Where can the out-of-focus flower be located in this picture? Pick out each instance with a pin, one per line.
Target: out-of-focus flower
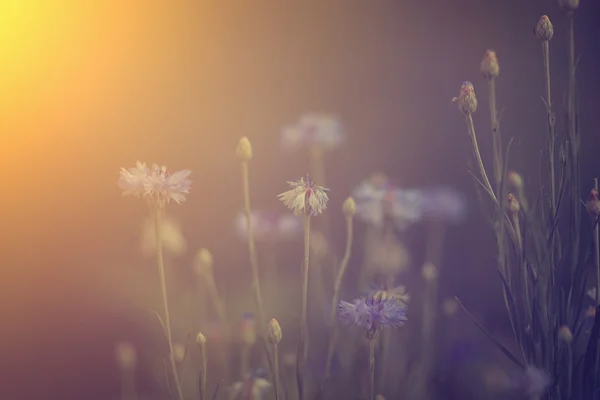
(450, 306)
(513, 204)
(489, 65)
(269, 225)
(429, 272)
(569, 5)
(254, 387)
(248, 329)
(592, 293)
(388, 256)
(593, 204)
(515, 180)
(544, 30)
(155, 184)
(533, 382)
(314, 130)
(397, 293)
(376, 201)
(170, 231)
(371, 314)
(565, 334)
(305, 197)
(125, 355)
(467, 101)
(443, 204)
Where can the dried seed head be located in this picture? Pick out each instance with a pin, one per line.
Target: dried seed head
(565, 334)
(515, 180)
(544, 30)
(125, 355)
(429, 272)
(349, 207)
(513, 204)
(244, 150)
(467, 101)
(569, 5)
(593, 204)
(274, 331)
(489, 65)
(200, 339)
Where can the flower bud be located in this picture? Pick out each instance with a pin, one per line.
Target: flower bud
(125, 355)
(274, 331)
(593, 204)
(544, 30)
(467, 101)
(565, 334)
(489, 65)
(513, 204)
(429, 272)
(244, 150)
(515, 180)
(204, 261)
(200, 339)
(569, 5)
(349, 207)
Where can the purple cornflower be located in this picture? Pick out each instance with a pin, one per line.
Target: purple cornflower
(318, 130)
(372, 314)
(305, 197)
(443, 204)
(155, 184)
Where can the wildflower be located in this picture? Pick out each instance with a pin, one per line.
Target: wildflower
(269, 225)
(314, 130)
(443, 204)
(376, 201)
(244, 150)
(467, 101)
(489, 65)
(544, 30)
(305, 197)
(372, 315)
(275, 334)
(569, 5)
(248, 329)
(155, 184)
(565, 334)
(125, 355)
(171, 235)
(593, 204)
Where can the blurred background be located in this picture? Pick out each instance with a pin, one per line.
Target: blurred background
(89, 87)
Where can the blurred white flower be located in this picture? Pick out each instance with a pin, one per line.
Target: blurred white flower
(314, 130)
(172, 237)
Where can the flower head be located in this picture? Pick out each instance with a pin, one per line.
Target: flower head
(372, 314)
(489, 64)
(155, 184)
(315, 130)
(467, 101)
(544, 30)
(305, 197)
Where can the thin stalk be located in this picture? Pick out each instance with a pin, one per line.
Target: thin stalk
(496, 142)
(252, 249)
(551, 122)
(597, 251)
(303, 343)
(336, 294)
(163, 287)
(486, 181)
(203, 372)
(276, 384)
(371, 369)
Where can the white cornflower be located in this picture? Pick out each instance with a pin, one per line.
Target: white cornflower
(305, 197)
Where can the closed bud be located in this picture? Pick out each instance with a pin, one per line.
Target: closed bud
(429, 272)
(565, 334)
(593, 204)
(489, 65)
(467, 101)
(244, 150)
(569, 5)
(513, 204)
(349, 207)
(515, 180)
(125, 355)
(275, 334)
(544, 30)
(200, 339)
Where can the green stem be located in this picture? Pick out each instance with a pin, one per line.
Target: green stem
(203, 373)
(371, 369)
(303, 345)
(472, 135)
(276, 385)
(496, 142)
(597, 251)
(163, 287)
(336, 294)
